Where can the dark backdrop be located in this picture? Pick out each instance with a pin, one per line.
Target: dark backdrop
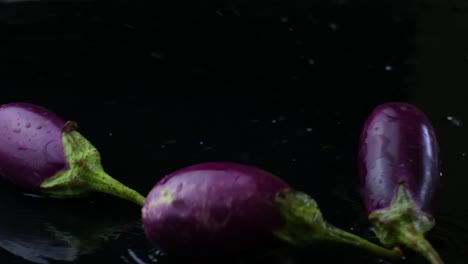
(158, 85)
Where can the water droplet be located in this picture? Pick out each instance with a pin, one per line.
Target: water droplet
(333, 26)
(274, 121)
(128, 26)
(291, 29)
(163, 146)
(134, 256)
(110, 134)
(155, 55)
(397, 19)
(309, 129)
(327, 147)
(311, 61)
(179, 187)
(441, 174)
(463, 154)
(39, 127)
(454, 121)
(388, 68)
(28, 125)
(312, 19)
(201, 143)
(284, 19)
(22, 148)
(245, 156)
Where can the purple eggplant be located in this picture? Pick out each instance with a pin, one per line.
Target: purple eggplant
(399, 170)
(43, 153)
(223, 207)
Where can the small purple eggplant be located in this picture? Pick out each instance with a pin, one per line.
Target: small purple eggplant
(399, 169)
(41, 152)
(222, 208)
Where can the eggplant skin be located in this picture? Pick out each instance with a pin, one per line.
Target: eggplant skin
(398, 146)
(213, 208)
(31, 144)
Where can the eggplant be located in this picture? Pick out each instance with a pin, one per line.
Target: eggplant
(43, 153)
(214, 208)
(399, 167)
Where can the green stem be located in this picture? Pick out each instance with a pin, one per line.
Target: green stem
(304, 226)
(336, 235)
(415, 241)
(100, 181)
(85, 172)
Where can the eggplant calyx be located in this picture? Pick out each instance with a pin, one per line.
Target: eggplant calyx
(403, 223)
(85, 173)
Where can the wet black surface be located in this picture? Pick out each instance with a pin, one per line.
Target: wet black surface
(156, 86)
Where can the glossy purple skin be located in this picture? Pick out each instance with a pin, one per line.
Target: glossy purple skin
(218, 207)
(31, 146)
(398, 145)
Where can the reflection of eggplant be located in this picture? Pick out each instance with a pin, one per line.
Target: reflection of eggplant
(42, 229)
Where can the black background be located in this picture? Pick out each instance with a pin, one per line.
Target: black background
(284, 85)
